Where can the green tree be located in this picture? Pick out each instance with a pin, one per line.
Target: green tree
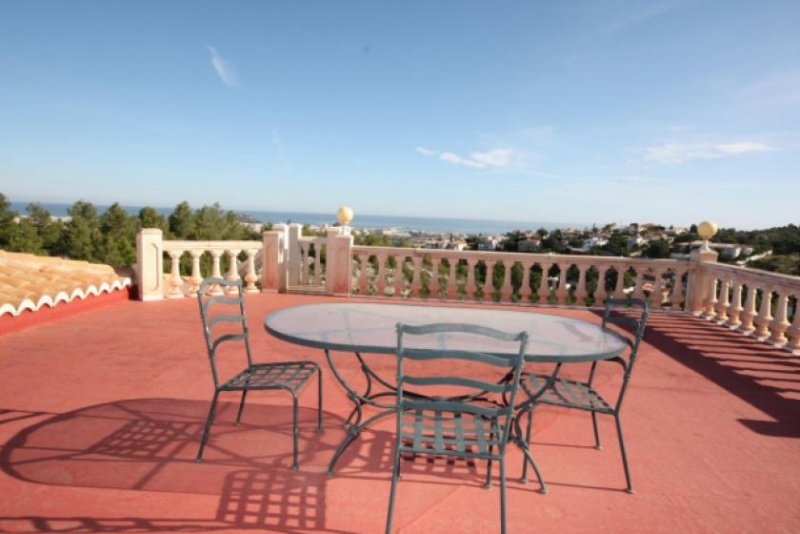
(48, 229)
(659, 248)
(150, 218)
(23, 237)
(82, 235)
(118, 245)
(182, 222)
(7, 216)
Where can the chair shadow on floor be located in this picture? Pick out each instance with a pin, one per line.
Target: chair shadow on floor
(150, 445)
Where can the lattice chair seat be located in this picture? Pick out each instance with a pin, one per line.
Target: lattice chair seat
(451, 433)
(283, 375)
(564, 392)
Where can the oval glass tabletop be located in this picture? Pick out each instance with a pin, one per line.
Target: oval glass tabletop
(371, 328)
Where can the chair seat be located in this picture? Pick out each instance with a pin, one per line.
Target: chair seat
(564, 392)
(277, 375)
(449, 433)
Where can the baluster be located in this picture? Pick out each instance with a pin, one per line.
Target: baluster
(380, 280)
(711, 299)
(544, 287)
(250, 278)
(363, 280)
(619, 288)
(233, 271)
(657, 296)
(601, 294)
(215, 271)
(471, 287)
(580, 290)
(561, 292)
(735, 308)
(638, 284)
(175, 280)
(676, 295)
(749, 313)
(525, 289)
(415, 287)
(793, 333)
(780, 324)
(452, 278)
(724, 300)
(506, 290)
(435, 285)
(765, 314)
(197, 277)
(399, 277)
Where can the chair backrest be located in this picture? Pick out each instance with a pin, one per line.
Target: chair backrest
(431, 344)
(631, 313)
(223, 316)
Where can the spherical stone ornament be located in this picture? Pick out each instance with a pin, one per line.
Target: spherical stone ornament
(344, 215)
(707, 229)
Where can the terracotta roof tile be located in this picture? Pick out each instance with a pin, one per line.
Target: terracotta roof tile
(28, 282)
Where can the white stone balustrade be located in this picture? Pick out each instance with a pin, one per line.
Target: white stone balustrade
(469, 276)
(176, 285)
(757, 303)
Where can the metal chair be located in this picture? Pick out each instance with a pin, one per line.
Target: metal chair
(567, 393)
(224, 320)
(473, 424)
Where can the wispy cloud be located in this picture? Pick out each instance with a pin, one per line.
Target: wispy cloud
(498, 157)
(224, 70)
(671, 153)
(427, 151)
(645, 13)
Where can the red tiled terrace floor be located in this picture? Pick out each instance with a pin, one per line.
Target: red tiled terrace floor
(101, 413)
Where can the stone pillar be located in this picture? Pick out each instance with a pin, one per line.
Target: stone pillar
(294, 258)
(149, 264)
(698, 283)
(339, 263)
(273, 261)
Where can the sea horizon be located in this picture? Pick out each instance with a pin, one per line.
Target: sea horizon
(436, 225)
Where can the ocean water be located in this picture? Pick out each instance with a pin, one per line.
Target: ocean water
(423, 224)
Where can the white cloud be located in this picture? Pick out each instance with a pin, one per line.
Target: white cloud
(667, 153)
(498, 157)
(224, 70)
(458, 160)
(427, 151)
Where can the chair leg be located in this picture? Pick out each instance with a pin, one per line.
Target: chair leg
(393, 490)
(319, 399)
(596, 433)
(528, 443)
(241, 407)
(529, 458)
(624, 456)
(488, 483)
(295, 462)
(209, 421)
(502, 462)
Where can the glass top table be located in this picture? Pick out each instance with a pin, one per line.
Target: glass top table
(370, 328)
(361, 328)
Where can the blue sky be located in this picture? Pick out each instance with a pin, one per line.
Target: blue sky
(591, 112)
